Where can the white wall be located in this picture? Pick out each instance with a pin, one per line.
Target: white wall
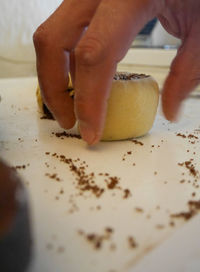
(18, 21)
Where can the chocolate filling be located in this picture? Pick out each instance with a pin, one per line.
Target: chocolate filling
(129, 76)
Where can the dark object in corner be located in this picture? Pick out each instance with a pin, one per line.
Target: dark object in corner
(15, 238)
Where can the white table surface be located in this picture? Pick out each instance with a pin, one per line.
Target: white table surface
(154, 182)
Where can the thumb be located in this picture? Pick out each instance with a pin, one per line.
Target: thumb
(184, 76)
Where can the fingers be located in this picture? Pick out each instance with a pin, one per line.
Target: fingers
(53, 42)
(184, 76)
(105, 43)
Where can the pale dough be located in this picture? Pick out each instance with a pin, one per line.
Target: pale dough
(132, 107)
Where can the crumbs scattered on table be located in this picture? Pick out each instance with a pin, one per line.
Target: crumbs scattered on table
(53, 176)
(19, 167)
(190, 137)
(193, 209)
(190, 167)
(86, 182)
(97, 240)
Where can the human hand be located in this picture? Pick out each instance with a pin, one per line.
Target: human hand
(63, 44)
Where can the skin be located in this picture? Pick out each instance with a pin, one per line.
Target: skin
(89, 37)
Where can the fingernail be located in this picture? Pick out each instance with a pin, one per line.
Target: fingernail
(173, 115)
(87, 133)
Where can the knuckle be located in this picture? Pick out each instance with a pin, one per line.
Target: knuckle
(90, 51)
(41, 37)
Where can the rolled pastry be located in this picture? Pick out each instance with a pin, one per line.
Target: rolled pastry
(131, 109)
(132, 106)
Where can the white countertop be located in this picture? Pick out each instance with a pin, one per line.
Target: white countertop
(58, 210)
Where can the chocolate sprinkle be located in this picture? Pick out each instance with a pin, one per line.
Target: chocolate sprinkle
(65, 134)
(132, 242)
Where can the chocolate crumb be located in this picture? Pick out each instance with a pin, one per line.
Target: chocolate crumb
(171, 223)
(109, 230)
(127, 193)
(112, 183)
(19, 167)
(140, 210)
(190, 136)
(53, 176)
(137, 142)
(132, 242)
(181, 135)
